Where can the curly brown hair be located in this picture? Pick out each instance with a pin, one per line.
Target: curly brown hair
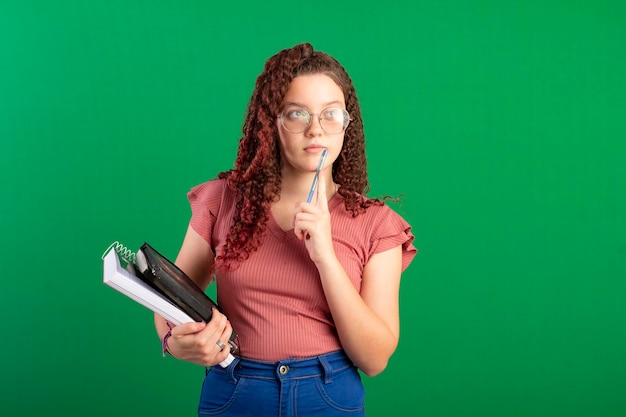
(256, 176)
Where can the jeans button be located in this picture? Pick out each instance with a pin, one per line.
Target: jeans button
(283, 369)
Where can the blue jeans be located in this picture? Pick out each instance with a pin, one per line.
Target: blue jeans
(327, 385)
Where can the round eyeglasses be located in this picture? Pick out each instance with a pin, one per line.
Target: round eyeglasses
(333, 120)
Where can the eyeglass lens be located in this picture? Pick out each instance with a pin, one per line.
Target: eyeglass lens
(298, 119)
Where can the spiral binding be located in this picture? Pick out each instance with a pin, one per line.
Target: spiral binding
(126, 254)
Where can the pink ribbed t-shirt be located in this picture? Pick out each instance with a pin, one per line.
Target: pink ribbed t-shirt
(274, 300)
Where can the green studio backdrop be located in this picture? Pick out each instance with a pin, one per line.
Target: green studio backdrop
(502, 123)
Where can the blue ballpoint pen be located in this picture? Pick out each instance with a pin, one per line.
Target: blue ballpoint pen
(317, 173)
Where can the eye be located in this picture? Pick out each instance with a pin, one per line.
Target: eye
(296, 114)
(334, 114)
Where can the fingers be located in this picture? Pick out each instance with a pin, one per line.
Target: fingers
(187, 329)
(313, 219)
(198, 342)
(322, 199)
(222, 342)
(305, 221)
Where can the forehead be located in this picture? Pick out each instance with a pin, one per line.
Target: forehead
(312, 90)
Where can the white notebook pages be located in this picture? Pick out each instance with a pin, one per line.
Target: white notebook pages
(122, 280)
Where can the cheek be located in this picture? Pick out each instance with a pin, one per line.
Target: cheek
(283, 138)
(287, 145)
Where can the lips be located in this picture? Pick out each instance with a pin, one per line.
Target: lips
(314, 148)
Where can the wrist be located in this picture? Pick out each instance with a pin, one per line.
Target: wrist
(327, 262)
(164, 346)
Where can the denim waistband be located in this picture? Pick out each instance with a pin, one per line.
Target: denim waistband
(294, 368)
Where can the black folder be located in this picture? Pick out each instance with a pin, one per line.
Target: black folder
(169, 280)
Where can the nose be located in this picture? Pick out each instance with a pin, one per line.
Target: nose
(315, 127)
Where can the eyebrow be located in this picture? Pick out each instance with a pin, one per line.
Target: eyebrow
(325, 105)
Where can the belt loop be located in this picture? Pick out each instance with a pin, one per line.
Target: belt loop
(328, 370)
(231, 370)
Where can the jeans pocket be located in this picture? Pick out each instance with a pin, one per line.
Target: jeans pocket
(219, 392)
(345, 393)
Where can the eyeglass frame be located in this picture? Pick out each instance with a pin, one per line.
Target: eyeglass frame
(346, 115)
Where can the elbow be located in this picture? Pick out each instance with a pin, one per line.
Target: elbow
(374, 359)
(375, 363)
(374, 368)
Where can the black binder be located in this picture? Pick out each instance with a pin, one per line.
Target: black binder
(169, 280)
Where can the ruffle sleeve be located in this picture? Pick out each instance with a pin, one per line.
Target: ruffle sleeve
(205, 200)
(391, 230)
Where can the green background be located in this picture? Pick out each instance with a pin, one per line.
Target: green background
(503, 123)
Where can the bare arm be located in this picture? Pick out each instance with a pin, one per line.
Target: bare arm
(367, 322)
(196, 342)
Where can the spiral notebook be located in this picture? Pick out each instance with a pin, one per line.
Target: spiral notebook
(153, 281)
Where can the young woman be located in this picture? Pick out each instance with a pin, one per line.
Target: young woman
(311, 288)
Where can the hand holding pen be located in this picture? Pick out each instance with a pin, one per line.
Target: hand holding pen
(312, 221)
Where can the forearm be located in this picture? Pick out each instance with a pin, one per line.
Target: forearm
(367, 338)
(161, 326)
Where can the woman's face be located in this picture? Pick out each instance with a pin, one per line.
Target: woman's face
(313, 94)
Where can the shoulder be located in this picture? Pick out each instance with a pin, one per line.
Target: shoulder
(383, 219)
(375, 213)
(208, 198)
(207, 190)
(379, 228)
(211, 192)
(209, 201)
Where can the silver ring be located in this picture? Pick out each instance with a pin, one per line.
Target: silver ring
(220, 344)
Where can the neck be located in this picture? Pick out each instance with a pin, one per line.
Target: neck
(296, 188)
